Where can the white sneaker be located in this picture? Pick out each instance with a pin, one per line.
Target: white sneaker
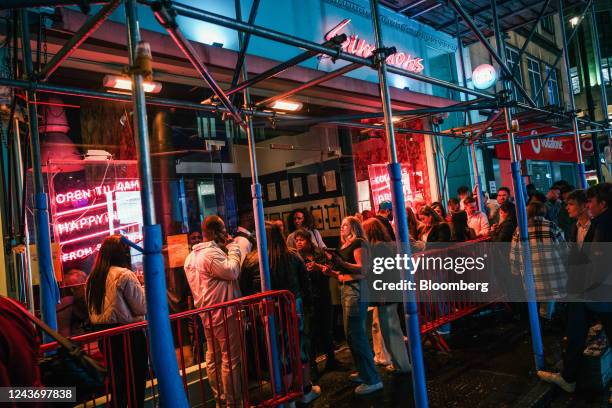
(365, 389)
(557, 379)
(315, 392)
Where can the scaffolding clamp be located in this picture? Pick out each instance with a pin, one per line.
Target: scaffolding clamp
(164, 13)
(381, 54)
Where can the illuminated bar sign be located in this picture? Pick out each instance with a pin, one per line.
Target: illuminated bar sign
(83, 217)
(97, 191)
(359, 47)
(380, 183)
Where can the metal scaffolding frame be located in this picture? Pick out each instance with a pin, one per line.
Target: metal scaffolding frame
(501, 105)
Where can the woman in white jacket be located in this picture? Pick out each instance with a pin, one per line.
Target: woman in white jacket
(114, 298)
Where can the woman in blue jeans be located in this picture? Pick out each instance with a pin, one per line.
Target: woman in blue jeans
(347, 269)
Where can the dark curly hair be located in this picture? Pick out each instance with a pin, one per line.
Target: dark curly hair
(308, 220)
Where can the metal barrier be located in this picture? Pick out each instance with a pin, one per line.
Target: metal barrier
(436, 311)
(223, 353)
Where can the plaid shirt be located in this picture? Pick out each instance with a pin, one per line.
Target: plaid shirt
(548, 256)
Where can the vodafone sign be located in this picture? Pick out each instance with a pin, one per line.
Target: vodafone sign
(557, 149)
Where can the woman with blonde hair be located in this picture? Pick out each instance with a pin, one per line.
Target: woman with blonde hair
(388, 318)
(347, 269)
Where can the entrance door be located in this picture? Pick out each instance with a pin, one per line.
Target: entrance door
(540, 175)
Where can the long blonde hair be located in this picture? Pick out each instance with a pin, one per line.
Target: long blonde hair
(356, 230)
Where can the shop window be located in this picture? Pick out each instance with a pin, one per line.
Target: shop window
(548, 24)
(535, 79)
(512, 60)
(575, 80)
(553, 86)
(606, 70)
(371, 159)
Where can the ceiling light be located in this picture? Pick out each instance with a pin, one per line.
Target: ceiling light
(287, 105)
(574, 21)
(125, 83)
(395, 119)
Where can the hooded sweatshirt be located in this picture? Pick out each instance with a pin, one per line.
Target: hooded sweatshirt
(213, 277)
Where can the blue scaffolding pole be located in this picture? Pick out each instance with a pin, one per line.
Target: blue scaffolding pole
(520, 196)
(171, 391)
(399, 213)
(260, 226)
(49, 291)
(571, 103)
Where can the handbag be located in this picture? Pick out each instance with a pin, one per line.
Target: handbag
(71, 366)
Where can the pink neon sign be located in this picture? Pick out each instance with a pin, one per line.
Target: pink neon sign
(380, 183)
(80, 194)
(80, 231)
(82, 223)
(80, 253)
(356, 46)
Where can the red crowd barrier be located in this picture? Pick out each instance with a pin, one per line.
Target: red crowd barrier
(436, 310)
(224, 355)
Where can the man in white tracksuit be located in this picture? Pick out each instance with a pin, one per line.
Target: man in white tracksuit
(212, 270)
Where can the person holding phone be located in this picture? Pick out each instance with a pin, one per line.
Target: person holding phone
(322, 327)
(347, 269)
(212, 270)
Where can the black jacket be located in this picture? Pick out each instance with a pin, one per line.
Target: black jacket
(387, 225)
(439, 233)
(504, 231)
(597, 285)
(293, 277)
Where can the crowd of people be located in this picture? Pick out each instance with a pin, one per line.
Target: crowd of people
(329, 283)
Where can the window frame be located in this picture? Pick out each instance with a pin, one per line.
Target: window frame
(532, 61)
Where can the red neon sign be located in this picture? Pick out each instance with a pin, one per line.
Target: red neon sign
(380, 183)
(105, 232)
(80, 194)
(80, 253)
(356, 46)
(81, 223)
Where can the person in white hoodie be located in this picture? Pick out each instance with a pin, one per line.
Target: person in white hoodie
(212, 270)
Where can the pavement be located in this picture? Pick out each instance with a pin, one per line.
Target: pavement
(490, 365)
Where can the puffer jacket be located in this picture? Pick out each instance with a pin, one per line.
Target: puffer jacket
(213, 277)
(124, 299)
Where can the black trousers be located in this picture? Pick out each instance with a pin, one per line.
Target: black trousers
(128, 391)
(579, 320)
(322, 338)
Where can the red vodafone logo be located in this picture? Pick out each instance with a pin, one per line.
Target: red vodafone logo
(587, 145)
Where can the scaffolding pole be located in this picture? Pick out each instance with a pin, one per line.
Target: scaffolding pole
(399, 213)
(602, 90)
(217, 19)
(171, 391)
(78, 38)
(502, 63)
(570, 96)
(260, 224)
(49, 291)
(520, 197)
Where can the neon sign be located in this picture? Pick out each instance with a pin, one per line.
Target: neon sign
(78, 195)
(380, 183)
(80, 229)
(82, 223)
(359, 47)
(80, 253)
